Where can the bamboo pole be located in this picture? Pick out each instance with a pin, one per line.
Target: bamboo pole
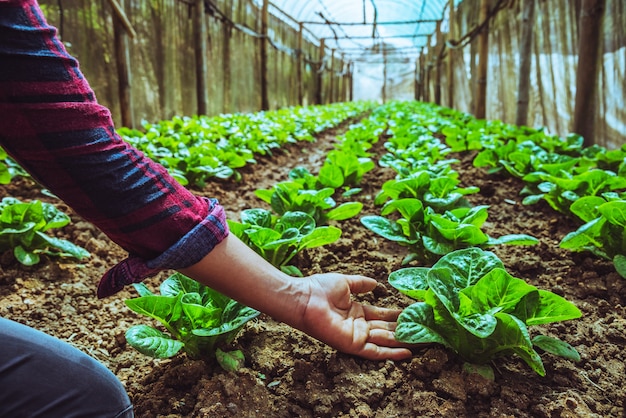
(590, 25)
(227, 31)
(265, 104)
(299, 66)
(384, 92)
(320, 74)
(525, 58)
(451, 53)
(332, 94)
(200, 48)
(124, 74)
(438, 49)
(483, 54)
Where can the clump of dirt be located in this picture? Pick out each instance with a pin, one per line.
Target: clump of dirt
(289, 374)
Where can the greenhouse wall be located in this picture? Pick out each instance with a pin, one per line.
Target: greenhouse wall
(553, 67)
(163, 63)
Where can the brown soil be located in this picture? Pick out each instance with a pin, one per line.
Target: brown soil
(288, 374)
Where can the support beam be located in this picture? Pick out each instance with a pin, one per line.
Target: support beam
(299, 67)
(320, 74)
(483, 54)
(265, 103)
(124, 74)
(589, 48)
(200, 46)
(525, 58)
(451, 53)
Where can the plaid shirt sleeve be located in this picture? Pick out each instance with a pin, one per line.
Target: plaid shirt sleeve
(51, 123)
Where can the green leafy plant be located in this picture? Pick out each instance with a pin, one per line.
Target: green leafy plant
(23, 227)
(438, 192)
(430, 235)
(198, 319)
(294, 196)
(560, 191)
(279, 238)
(470, 304)
(9, 168)
(604, 233)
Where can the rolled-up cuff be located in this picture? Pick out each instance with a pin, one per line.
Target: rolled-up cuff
(189, 250)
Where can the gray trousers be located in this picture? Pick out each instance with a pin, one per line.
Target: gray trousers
(42, 376)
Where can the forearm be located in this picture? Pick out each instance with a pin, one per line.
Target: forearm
(235, 270)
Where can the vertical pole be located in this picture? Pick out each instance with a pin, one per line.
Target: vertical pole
(299, 66)
(589, 25)
(200, 34)
(525, 55)
(332, 76)
(265, 103)
(416, 80)
(483, 54)
(451, 53)
(122, 57)
(438, 49)
(427, 66)
(351, 81)
(384, 74)
(320, 74)
(226, 61)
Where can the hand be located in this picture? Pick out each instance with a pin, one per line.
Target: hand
(331, 316)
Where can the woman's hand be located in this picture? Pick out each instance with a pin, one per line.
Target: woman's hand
(320, 305)
(330, 315)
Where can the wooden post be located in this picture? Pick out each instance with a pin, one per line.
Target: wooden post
(483, 54)
(438, 49)
(416, 80)
(450, 75)
(350, 81)
(332, 76)
(427, 67)
(320, 74)
(265, 103)
(124, 74)
(226, 61)
(299, 66)
(525, 58)
(200, 46)
(384, 92)
(589, 48)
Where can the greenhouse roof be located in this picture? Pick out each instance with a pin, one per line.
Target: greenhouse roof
(357, 26)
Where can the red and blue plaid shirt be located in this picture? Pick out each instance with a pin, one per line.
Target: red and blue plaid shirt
(51, 123)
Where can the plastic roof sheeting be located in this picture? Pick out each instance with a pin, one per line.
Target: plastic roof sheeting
(356, 26)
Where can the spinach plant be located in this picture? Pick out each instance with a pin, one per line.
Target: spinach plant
(198, 319)
(294, 196)
(604, 233)
(23, 229)
(469, 303)
(279, 238)
(429, 235)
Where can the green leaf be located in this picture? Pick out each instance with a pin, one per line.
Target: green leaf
(152, 342)
(386, 228)
(513, 239)
(619, 261)
(230, 361)
(552, 308)
(345, 211)
(416, 325)
(27, 258)
(412, 281)
(556, 347)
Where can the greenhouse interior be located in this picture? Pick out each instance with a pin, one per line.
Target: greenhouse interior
(319, 209)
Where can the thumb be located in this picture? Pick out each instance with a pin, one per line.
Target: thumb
(361, 284)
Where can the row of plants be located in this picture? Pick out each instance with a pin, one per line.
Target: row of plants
(197, 148)
(586, 183)
(202, 322)
(423, 207)
(466, 301)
